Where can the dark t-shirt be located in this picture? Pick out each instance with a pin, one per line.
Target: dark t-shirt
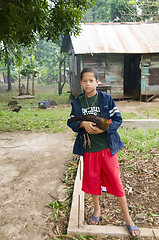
(91, 106)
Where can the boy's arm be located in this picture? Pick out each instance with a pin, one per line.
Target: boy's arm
(90, 127)
(115, 116)
(75, 126)
(80, 126)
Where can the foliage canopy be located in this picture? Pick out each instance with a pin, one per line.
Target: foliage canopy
(124, 11)
(21, 20)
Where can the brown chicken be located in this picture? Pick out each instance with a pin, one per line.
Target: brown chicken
(101, 122)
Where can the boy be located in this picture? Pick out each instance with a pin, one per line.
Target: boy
(100, 160)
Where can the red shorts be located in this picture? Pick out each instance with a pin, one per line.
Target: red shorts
(102, 169)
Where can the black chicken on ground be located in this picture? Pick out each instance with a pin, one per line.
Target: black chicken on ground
(16, 109)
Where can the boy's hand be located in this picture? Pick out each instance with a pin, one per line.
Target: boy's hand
(90, 127)
(98, 130)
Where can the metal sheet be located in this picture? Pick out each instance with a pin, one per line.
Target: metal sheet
(117, 38)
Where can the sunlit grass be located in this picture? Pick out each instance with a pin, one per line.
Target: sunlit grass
(30, 117)
(153, 113)
(127, 115)
(49, 120)
(138, 141)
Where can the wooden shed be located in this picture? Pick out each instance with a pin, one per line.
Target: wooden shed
(126, 56)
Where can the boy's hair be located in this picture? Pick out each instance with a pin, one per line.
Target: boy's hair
(90, 69)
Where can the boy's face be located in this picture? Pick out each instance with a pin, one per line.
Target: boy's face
(89, 83)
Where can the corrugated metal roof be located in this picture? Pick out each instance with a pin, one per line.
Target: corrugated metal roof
(117, 38)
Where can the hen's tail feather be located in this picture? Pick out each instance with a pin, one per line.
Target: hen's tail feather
(89, 117)
(77, 118)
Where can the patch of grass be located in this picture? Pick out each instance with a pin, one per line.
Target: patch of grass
(42, 92)
(153, 113)
(30, 117)
(48, 92)
(130, 115)
(48, 120)
(138, 141)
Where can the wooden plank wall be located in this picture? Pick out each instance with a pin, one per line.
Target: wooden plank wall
(145, 66)
(111, 70)
(154, 70)
(149, 73)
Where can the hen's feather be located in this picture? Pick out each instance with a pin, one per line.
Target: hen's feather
(101, 122)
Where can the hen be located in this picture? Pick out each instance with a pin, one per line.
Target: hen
(101, 123)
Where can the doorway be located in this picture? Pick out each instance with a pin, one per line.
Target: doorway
(132, 75)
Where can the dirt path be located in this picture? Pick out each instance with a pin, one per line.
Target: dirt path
(134, 106)
(31, 165)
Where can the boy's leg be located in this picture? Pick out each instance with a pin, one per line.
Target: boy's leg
(96, 208)
(91, 182)
(128, 219)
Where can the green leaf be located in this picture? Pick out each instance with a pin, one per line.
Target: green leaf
(49, 205)
(153, 215)
(131, 166)
(81, 237)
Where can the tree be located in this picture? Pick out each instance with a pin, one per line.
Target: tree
(3, 70)
(21, 20)
(33, 72)
(149, 9)
(47, 57)
(66, 17)
(113, 11)
(19, 65)
(62, 61)
(124, 11)
(9, 52)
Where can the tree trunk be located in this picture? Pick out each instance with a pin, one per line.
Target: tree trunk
(33, 90)
(93, 14)
(60, 85)
(59, 82)
(4, 77)
(27, 90)
(19, 83)
(9, 77)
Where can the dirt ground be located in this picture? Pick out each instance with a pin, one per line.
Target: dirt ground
(133, 106)
(141, 188)
(31, 165)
